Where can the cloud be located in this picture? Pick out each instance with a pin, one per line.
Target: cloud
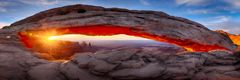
(229, 26)
(220, 19)
(190, 2)
(223, 23)
(3, 6)
(215, 20)
(2, 24)
(200, 11)
(41, 2)
(144, 2)
(234, 3)
(2, 9)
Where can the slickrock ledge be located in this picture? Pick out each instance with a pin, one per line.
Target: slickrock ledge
(152, 22)
(120, 64)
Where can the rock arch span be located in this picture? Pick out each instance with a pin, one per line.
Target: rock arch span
(162, 26)
(30, 37)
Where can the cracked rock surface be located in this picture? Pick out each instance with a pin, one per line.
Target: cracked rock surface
(120, 64)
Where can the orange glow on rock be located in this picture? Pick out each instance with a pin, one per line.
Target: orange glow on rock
(189, 49)
(111, 30)
(30, 38)
(235, 38)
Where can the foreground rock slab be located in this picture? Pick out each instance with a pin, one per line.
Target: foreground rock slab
(118, 64)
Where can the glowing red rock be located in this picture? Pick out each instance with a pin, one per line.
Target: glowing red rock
(30, 38)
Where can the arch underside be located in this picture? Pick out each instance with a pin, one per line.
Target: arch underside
(114, 30)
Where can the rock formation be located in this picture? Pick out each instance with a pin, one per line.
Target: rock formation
(168, 28)
(235, 38)
(143, 63)
(129, 64)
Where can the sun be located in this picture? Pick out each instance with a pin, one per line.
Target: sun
(52, 38)
(47, 38)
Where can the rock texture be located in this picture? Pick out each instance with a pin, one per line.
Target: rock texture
(143, 63)
(119, 64)
(8, 37)
(235, 38)
(157, 23)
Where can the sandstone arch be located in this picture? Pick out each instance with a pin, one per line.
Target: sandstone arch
(180, 31)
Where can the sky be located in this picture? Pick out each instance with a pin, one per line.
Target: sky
(214, 14)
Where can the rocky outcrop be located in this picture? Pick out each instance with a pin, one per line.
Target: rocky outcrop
(118, 64)
(15, 62)
(152, 22)
(9, 37)
(235, 38)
